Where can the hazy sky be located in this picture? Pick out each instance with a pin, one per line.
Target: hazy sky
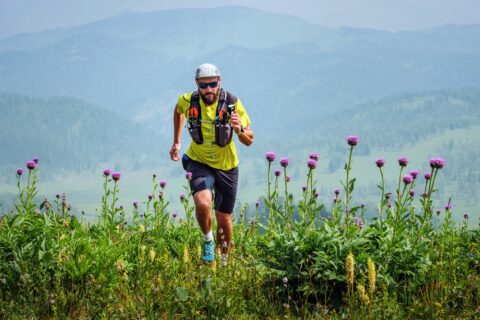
(19, 16)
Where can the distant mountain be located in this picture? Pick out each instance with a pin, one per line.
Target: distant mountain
(138, 63)
(70, 134)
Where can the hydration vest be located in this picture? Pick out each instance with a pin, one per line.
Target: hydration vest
(223, 128)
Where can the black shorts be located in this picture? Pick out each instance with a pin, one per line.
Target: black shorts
(222, 183)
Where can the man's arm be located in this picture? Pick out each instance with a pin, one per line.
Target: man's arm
(177, 133)
(245, 137)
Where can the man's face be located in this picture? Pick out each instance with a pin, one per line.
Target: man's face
(209, 89)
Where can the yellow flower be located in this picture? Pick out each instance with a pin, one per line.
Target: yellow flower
(214, 265)
(186, 255)
(363, 295)
(152, 254)
(372, 276)
(141, 228)
(350, 268)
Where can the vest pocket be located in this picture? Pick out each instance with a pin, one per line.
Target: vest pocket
(223, 134)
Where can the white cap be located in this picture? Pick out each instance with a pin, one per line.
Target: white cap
(207, 70)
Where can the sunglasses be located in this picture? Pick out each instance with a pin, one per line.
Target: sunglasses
(205, 85)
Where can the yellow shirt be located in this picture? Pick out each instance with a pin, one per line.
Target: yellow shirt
(223, 158)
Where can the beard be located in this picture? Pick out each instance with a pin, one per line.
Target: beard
(209, 98)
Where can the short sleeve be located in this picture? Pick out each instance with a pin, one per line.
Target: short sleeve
(183, 102)
(240, 109)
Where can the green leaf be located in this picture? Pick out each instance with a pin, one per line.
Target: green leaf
(181, 294)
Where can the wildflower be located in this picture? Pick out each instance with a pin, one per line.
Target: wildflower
(270, 156)
(106, 172)
(285, 281)
(284, 162)
(135, 204)
(407, 179)
(288, 178)
(412, 193)
(427, 175)
(363, 295)
(174, 214)
(116, 176)
(380, 162)
(372, 276)
(141, 228)
(182, 197)
(471, 255)
(389, 204)
(312, 164)
(304, 188)
(465, 216)
(337, 192)
(438, 212)
(257, 204)
(152, 254)
(403, 161)
(437, 163)
(150, 197)
(352, 140)
(36, 160)
(277, 173)
(314, 156)
(425, 194)
(186, 255)
(317, 194)
(448, 206)
(350, 269)
(388, 195)
(414, 174)
(31, 165)
(188, 175)
(359, 223)
(163, 183)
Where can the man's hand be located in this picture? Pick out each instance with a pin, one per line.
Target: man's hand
(174, 151)
(236, 122)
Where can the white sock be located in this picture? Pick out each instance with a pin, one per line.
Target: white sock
(208, 236)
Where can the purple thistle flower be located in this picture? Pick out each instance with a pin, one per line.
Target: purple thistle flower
(380, 162)
(414, 174)
(288, 178)
(270, 156)
(425, 194)
(312, 164)
(448, 206)
(337, 191)
(389, 204)
(437, 163)
(388, 195)
(277, 172)
(304, 188)
(352, 140)
(57, 195)
(257, 204)
(314, 156)
(317, 194)
(135, 204)
(116, 176)
(403, 161)
(150, 197)
(163, 183)
(182, 197)
(438, 212)
(412, 193)
(465, 216)
(19, 172)
(407, 179)
(174, 214)
(188, 175)
(36, 160)
(31, 165)
(106, 172)
(427, 175)
(284, 162)
(359, 223)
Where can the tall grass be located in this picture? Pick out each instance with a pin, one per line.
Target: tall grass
(291, 259)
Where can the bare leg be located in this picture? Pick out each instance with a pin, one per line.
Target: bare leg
(224, 230)
(203, 209)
